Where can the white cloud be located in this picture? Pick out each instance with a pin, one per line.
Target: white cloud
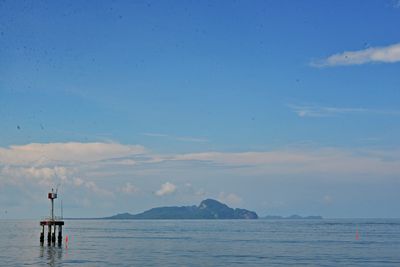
(45, 153)
(230, 199)
(128, 188)
(166, 189)
(90, 185)
(45, 176)
(384, 54)
(100, 191)
(326, 111)
(78, 182)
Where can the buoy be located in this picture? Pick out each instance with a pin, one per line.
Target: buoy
(357, 236)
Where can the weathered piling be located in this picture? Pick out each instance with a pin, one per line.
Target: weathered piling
(42, 234)
(59, 238)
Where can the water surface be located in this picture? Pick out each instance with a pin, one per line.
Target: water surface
(206, 243)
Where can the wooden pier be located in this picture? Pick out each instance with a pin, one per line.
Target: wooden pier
(53, 224)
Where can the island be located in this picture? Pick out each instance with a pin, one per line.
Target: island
(208, 209)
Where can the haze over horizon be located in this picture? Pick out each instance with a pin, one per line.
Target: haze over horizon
(281, 107)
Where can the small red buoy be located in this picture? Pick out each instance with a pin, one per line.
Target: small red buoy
(357, 236)
(66, 241)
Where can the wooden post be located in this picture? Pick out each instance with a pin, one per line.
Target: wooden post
(42, 235)
(49, 234)
(59, 238)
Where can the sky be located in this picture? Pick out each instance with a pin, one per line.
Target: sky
(281, 107)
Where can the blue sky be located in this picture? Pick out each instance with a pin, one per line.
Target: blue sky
(277, 106)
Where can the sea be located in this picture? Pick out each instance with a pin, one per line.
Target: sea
(327, 242)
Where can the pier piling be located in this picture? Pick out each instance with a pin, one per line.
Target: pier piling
(49, 235)
(59, 238)
(42, 235)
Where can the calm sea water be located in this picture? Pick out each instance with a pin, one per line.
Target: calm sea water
(206, 243)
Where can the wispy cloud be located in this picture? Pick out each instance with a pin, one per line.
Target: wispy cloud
(128, 188)
(155, 134)
(177, 138)
(304, 161)
(329, 111)
(166, 189)
(383, 54)
(45, 153)
(96, 189)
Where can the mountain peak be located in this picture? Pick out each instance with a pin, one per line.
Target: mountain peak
(211, 203)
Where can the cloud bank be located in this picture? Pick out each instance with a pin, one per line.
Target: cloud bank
(96, 166)
(89, 180)
(384, 54)
(67, 159)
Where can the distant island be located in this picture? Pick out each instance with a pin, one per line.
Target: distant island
(208, 209)
(292, 217)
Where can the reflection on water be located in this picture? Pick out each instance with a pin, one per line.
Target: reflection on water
(52, 254)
